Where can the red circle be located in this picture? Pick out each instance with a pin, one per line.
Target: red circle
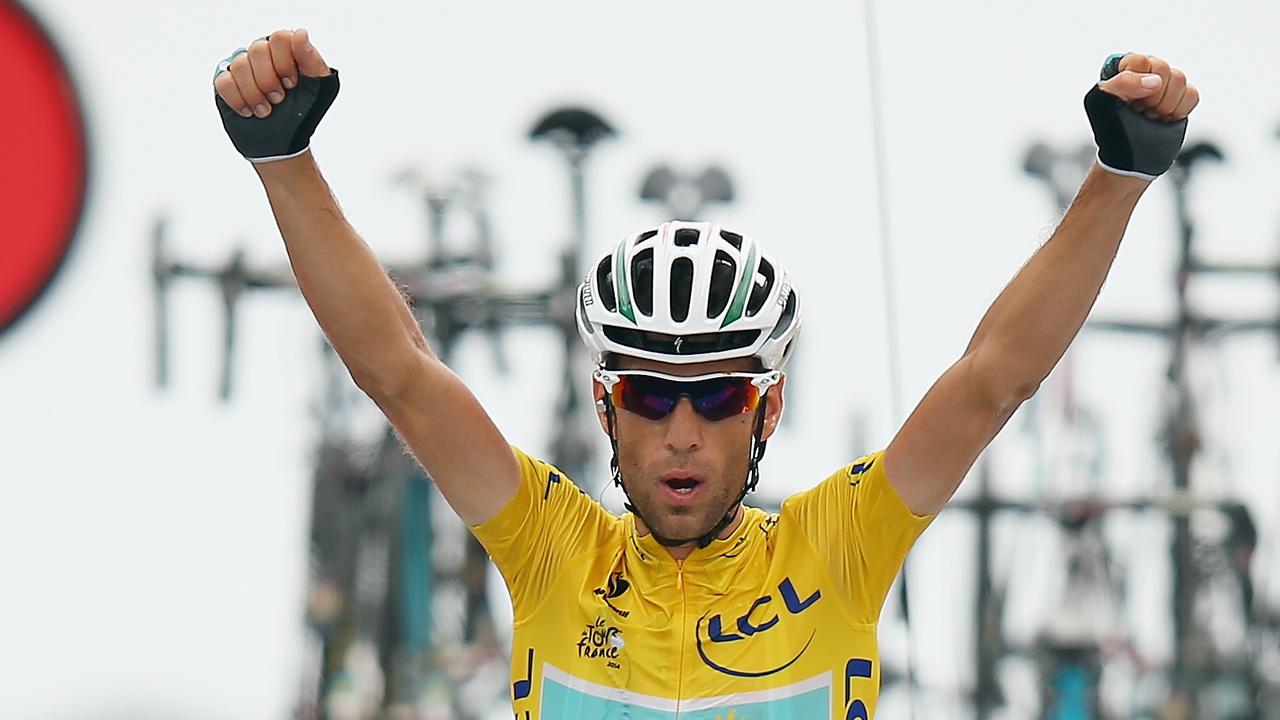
(43, 171)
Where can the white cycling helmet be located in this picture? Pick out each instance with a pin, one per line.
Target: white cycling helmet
(689, 292)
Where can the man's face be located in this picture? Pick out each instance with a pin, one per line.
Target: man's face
(659, 459)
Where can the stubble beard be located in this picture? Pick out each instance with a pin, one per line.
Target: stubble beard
(682, 525)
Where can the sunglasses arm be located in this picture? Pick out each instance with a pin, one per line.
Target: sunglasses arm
(605, 378)
(764, 381)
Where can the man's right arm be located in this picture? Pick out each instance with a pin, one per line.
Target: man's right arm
(369, 324)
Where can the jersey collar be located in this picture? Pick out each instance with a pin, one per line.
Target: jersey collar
(713, 566)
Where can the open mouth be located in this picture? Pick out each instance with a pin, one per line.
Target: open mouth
(681, 485)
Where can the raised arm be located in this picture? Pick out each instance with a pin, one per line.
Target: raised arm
(358, 307)
(1033, 321)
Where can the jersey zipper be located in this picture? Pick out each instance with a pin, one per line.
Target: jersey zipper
(684, 623)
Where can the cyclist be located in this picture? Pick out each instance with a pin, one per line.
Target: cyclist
(691, 605)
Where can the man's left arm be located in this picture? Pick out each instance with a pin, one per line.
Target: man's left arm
(1034, 319)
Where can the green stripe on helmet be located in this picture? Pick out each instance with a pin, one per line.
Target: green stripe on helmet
(620, 283)
(740, 296)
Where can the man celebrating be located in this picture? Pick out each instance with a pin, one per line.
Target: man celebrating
(692, 605)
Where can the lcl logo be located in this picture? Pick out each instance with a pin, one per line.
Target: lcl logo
(42, 162)
(744, 627)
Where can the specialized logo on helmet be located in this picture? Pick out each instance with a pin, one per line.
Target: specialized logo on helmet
(678, 342)
(43, 166)
(727, 646)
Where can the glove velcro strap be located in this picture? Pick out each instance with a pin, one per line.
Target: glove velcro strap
(286, 132)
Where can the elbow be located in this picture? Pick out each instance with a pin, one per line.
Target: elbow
(370, 384)
(1004, 399)
(1015, 400)
(390, 379)
(1003, 384)
(385, 367)
(1022, 392)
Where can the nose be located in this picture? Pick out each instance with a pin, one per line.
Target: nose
(684, 427)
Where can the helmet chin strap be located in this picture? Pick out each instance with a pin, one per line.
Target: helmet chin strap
(749, 484)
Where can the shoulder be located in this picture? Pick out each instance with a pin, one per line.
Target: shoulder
(545, 495)
(842, 482)
(858, 493)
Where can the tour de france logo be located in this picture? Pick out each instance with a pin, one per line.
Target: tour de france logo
(603, 641)
(43, 165)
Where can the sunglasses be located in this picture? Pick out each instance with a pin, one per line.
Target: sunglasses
(716, 396)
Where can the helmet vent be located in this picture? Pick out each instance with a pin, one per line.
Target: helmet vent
(686, 237)
(642, 281)
(582, 310)
(604, 284)
(645, 236)
(732, 238)
(788, 315)
(723, 272)
(681, 286)
(760, 291)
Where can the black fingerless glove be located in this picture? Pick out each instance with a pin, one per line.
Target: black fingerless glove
(1128, 142)
(286, 132)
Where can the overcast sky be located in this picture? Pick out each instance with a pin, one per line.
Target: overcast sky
(154, 542)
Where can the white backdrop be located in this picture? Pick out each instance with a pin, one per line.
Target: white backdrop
(152, 544)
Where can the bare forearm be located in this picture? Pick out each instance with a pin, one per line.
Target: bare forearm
(1033, 321)
(360, 310)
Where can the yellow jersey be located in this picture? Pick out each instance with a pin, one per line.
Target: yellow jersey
(776, 621)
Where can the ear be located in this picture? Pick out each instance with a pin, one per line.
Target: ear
(598, 393)
(773, 403)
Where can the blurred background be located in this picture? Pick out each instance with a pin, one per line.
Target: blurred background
(201, 518)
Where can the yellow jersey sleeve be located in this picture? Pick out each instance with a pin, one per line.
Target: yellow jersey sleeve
(861, 529)
(548, 522)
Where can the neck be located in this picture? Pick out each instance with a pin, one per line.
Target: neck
(681, 551)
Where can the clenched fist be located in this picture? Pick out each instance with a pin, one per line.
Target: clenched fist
(1139, 114)
(257, 79)
(273, 94)
(1152, 86)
